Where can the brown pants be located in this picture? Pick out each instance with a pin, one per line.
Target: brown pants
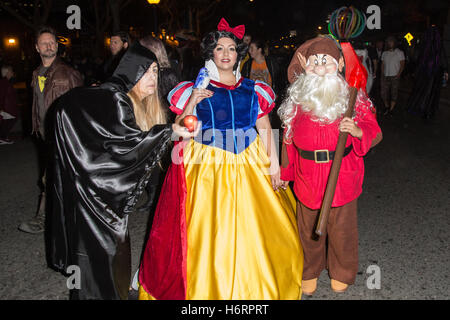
(341, 260)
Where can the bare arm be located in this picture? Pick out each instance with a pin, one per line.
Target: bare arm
(402, 66)
(265, 131)
(196, 97)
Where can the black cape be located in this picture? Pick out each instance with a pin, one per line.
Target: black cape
(102, 163)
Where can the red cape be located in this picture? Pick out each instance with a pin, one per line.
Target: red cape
(163, 267)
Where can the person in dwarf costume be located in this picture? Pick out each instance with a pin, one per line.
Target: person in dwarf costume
(312, 117)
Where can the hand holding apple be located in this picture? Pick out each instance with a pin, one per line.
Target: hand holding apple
(190, 122)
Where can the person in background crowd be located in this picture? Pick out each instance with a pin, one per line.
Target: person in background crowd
(379, 46)
(62, 54)
(261, 67)
(175, 60)
(247, 40)
(50, 80)
(87, 70)
(266, 69)
(364, 57)
(431, 74)
(392, 65)
(375, 55)
(9, 111)
(257, 66)
(98, 63)
(189, 51)
(118, 45)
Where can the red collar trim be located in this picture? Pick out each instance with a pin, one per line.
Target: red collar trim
(221, 85)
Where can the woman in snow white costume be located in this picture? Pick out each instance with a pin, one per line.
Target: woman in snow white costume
(224, 227)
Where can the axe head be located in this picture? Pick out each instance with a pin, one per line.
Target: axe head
(355, 73)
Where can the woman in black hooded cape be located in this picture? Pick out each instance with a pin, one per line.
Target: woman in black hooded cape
(102, 163)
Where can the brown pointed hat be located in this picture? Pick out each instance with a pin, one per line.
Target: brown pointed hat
(320, 44)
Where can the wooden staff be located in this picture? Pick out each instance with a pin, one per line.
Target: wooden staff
(356, 78)
(334, 171)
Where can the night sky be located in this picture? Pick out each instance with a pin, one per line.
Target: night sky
(271, 19)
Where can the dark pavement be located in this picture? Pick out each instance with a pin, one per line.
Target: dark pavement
(404, 217)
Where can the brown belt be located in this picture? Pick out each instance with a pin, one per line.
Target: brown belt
(321, 156)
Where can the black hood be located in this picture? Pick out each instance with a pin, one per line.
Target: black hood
(134, 63)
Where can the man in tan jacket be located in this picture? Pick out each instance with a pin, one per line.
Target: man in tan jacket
(50, 80)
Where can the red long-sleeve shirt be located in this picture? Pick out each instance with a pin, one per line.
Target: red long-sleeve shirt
(310, 178)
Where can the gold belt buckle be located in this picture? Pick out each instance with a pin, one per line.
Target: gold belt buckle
(324, 161)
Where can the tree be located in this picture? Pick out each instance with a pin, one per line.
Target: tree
(202, 11)
(198, 11)
(170, 7)
(104, 13)
(116, 6)
(31, 16)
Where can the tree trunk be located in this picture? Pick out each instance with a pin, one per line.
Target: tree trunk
(101, 24)
(191, 27)
(115, 13)
(197, 29)
(33, 20)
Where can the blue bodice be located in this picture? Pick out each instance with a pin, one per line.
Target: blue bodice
(229, 116)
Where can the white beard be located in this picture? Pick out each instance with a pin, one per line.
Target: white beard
(324, 97)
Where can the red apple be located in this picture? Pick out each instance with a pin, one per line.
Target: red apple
(190, 122)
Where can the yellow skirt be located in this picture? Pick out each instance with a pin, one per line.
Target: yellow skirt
(242, 237)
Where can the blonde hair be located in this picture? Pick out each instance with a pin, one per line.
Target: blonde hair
(147, 112)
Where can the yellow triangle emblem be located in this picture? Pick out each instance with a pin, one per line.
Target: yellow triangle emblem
(41, 81)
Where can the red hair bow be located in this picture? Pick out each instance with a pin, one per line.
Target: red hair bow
(238, 31)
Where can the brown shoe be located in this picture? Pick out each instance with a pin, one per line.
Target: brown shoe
(309, 286)
(338, 286)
